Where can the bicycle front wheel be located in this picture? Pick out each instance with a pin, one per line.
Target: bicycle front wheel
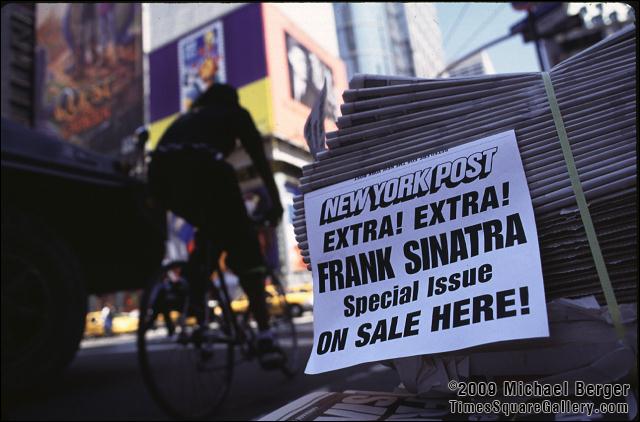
(187, 365)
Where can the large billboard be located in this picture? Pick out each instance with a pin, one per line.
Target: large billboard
(89, 85)
(201, 62)
(298, 67)
(277, 68)
(307, 75)
(228, 49)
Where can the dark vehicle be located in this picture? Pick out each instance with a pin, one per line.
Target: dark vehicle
(73, 223)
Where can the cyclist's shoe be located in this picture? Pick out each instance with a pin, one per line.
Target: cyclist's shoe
(270, 355)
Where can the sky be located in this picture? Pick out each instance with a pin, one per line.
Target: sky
(481, 23)
(510, 56)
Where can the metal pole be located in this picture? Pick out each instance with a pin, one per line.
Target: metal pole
(534, 34)
(474, 52)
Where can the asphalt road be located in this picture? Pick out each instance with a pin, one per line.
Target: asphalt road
(104, 383)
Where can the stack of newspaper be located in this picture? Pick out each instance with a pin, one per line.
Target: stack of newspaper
(387, 121)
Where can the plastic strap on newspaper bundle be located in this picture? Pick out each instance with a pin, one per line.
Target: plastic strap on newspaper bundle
(592, 238)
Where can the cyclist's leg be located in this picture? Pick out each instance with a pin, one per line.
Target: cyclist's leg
(252, 277)
(228, 223)
(234, 232)
(253, 286)
(162, 305)
(245, 259)
(181, 181)
(202, 262)
(166, 314)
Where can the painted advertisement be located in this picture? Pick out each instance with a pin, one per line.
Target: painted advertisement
(298, 67)
(307, 75)
(89, 86)
(229, 49)
(201, 62)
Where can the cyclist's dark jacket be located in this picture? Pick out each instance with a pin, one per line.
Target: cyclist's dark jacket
(218, 127)
(188, 175)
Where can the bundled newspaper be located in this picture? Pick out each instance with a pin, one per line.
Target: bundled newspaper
(388, 121)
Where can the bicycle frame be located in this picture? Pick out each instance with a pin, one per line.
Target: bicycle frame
(237, 333)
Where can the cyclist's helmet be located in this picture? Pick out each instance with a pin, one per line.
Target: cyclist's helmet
(217, 94)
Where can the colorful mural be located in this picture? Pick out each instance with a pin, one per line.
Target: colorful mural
(89, 87)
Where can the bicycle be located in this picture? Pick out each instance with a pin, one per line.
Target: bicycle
(199, 382)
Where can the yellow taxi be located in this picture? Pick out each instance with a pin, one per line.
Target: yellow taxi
(175, 315)
(94, 325)
(301, 288)
(300, 299)
(124, 322)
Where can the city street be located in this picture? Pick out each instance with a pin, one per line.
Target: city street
(442, 197)
(104, 383)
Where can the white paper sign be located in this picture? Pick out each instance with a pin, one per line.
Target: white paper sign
(435, 255)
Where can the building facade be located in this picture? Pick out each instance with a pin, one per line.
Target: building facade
(599, 20)
(389, 38)
(564, 29)
(278, 69)
(477, 65)
(426, 39)
(157, 58)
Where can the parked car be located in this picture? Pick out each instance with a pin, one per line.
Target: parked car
(73, 223)
(94, 325)
(123, 323)
(299, 301)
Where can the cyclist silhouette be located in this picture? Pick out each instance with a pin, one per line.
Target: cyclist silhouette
(188, 174)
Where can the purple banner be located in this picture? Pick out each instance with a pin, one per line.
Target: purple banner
(164, 94)
(244, 59)
(245, 46)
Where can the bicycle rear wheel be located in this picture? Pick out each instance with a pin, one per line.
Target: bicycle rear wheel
(281, 320)
(186, 366)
